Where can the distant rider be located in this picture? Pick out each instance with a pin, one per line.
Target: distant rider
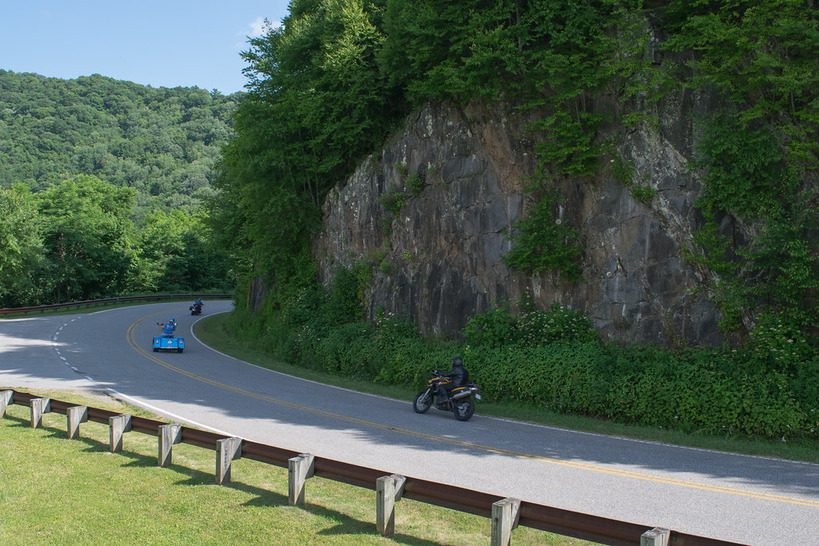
(457, 377)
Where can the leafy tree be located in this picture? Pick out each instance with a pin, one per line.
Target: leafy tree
(87, 237)
(22, 244)
(315, 106)
(176, 253)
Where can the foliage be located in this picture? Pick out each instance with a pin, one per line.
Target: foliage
(87, 235)
(316, 105)
(176, 254)
(77, 240)
(394, 201)
(495, 328)
(544, 243)
(89, 169)
(22, 244)
(533, 328)
(552, 359)
(162, 142)
(758, 159)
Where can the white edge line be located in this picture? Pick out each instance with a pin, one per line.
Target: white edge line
(166, 413)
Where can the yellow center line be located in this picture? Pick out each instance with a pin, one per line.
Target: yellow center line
(462, 443)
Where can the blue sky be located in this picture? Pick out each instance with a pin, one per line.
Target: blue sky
(162, 43)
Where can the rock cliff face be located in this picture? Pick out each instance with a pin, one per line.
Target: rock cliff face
(433, 213)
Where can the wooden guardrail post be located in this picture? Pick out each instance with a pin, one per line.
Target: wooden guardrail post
(39, 406)
(298, 470)
(118, 425)
(6, 399)
(167, 437)
(504, 518)
(388, 491)
(227, 450)
(655, 537)
(73, 417)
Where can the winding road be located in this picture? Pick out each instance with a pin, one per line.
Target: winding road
(752, 500)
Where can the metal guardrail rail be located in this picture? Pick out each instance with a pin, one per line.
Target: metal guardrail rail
(537, 516)
(106, 301)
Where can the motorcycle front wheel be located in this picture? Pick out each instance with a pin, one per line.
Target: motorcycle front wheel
(423, 401)
(463, 410)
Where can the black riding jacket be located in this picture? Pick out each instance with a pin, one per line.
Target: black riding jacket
(459, 377)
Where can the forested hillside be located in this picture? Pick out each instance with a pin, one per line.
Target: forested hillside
(103, 186)
(161, 142)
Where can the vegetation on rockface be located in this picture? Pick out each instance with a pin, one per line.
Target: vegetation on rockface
(579, 70)
(759, 163)
(102, 186)
(558, 61)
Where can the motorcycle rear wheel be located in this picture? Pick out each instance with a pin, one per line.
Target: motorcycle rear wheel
(423, 401)
(463, 409)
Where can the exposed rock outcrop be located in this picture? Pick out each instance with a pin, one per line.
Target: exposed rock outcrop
(433, 214)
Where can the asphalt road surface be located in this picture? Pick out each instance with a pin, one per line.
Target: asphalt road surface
(752, 500)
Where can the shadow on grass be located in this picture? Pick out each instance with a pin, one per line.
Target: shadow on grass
(345, 525)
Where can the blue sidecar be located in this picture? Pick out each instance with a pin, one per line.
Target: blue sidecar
(168, 341)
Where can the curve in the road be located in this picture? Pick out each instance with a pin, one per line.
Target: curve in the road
(462, 443)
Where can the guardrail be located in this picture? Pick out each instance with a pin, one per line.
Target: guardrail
(107, 301)
(506, 513)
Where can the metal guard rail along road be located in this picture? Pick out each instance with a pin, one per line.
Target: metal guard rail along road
(546, 518)
(107, 301)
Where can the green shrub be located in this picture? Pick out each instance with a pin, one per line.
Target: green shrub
(494, 328)
(544, 243)
(499, 327)
(552, 359)
(558, 323)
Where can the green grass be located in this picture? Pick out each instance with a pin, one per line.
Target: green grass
(56, 491)
(213, 331)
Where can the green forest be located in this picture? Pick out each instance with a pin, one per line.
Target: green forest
(108, 187)
(104, 186)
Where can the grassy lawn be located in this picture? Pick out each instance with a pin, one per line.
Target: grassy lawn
(56, 491)
(212, 331)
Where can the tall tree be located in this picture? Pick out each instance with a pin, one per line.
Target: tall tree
(88, 237)
(22, 246)
(316, 105)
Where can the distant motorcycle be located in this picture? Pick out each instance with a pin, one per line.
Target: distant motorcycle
(196, 308)
(459, 401)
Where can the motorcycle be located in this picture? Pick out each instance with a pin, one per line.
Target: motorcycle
(196, 308)
(459, 401)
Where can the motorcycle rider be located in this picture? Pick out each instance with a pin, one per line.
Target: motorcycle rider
(457, 377)
(168, 328)
(198, 303)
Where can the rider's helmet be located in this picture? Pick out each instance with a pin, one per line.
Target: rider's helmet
(457, 362)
